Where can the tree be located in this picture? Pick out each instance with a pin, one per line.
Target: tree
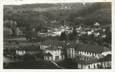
(28, 57)
(63, 36)
(12, 25)
(73, 35)
(30, 22)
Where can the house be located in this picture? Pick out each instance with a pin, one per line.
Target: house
(55, 48)
(98, 65)
(85, 52)
(19, 32)
(47, 56)
(49, 43)
(96, 24)
(70, 48)
(106, 51)
(31, 50)
(53, 54)
(88, 56)
(103, 63)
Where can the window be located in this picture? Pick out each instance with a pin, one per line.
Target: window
(57, 58)
(88, 67)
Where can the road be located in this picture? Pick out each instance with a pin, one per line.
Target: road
(56, 65)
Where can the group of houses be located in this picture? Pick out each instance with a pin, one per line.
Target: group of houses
(102, 63)
(96, 30)
(53, 50)
(56, 31)
(86, 55)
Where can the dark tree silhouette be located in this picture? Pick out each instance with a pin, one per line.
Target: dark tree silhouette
(63, 36)
(73, 35)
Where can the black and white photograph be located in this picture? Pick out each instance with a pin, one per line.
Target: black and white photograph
(57, 35)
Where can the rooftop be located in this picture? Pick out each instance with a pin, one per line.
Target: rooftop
(89, 48)
(92, 48)
(54, 48)
(48, 54)
(52, 42)
(29, 48)
(106, 58)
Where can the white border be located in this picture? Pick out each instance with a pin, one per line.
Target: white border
(14, 2)
(19, 2)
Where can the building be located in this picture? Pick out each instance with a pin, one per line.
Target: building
(53, 50)
(31, 50)
(102, 63)
(19, 32)
(88, 56)
(106, 51)
(85, 52)
(48, 57)
(98, 65)
(54, 54)
(49, 43)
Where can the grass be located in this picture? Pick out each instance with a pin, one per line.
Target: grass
(30, 65)
(68, 64)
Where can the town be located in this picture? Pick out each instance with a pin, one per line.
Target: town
(38, 43)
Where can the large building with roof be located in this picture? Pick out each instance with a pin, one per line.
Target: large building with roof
(86, 51)
(49, 43)
(88, 56)
(54, 54)
(28, 50)
(102, 63)
(53, 50)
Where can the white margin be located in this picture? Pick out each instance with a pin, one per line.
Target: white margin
(58, 70)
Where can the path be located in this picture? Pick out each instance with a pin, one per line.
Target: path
(56, 65)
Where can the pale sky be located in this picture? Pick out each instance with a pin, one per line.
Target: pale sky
(19, 2)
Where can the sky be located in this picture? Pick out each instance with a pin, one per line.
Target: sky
(20, 2)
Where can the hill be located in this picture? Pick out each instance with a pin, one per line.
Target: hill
(66, 13)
